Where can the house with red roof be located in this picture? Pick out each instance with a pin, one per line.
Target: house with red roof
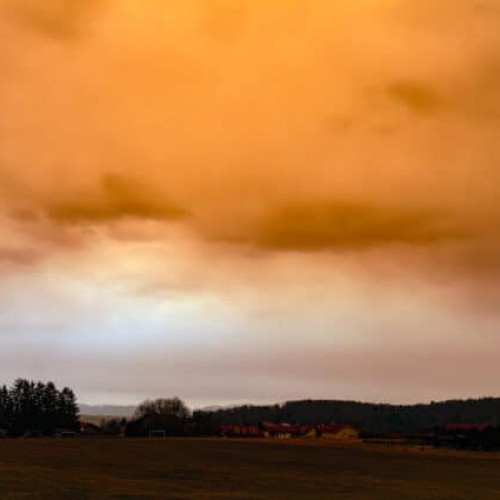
(282, 430)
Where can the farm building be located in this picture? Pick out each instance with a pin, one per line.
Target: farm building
(241, 431)
(310, 431)
(280, 430)
(339, 432)
(89, 429)
(283, 430)
(286, 431)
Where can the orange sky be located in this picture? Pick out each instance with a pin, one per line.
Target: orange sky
(250, 192)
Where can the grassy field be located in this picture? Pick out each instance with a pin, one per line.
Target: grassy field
(223, 469)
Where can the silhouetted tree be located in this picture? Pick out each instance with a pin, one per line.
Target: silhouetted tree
(113, 426)
(50, 409)
(163, 407)
(5, 408)
(170, 415)
(28, 408)
(68, 410)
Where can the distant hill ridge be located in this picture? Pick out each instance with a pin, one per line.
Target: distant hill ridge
(126, 410)
(367, 416)
(107, 410)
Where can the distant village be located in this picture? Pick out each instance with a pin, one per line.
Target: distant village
(264, 430)
(478, 437)
(283, 430)
(34, 410)
(458, 436)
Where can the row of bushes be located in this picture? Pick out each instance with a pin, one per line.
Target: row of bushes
(487, 439)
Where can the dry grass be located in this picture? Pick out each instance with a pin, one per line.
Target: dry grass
(222, 469)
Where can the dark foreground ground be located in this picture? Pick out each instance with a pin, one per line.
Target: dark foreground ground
(222, 469)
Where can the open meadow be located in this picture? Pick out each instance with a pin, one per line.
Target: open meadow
(81, 469)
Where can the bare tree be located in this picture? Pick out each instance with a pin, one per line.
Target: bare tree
(171, 407)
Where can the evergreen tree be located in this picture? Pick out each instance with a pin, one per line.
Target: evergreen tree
(29, 407)
(50, 409)
(5, 408)
(68, 410)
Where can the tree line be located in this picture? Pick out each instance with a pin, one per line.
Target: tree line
(372, 417)
(29, 407)
(40, 408)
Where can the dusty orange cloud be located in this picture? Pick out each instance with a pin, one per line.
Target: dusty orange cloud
(348, 225)
(53, 18)
(250, 121)
(251, 108)
(117, 197)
